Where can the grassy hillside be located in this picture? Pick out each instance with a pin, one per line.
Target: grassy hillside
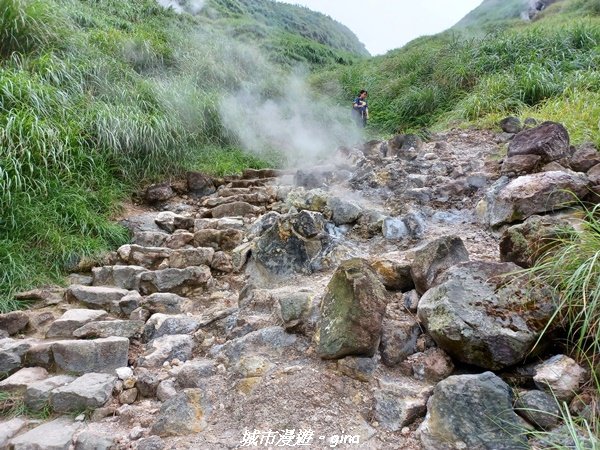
(98, 98)
(493, 11)
(546, 69)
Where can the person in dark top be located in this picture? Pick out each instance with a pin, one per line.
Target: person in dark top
(360, 109)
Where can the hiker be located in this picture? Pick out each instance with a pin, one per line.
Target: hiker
(360, 108)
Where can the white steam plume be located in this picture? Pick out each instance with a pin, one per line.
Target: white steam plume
(306, 129)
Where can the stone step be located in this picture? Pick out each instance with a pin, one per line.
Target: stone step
(255, 198)
(262, 173)
(72, 320)
(163, 258)
(148, 281)
(236, 209)
(223, 223)
(251, 182)
(55, 435)
(269, 191)
(97, 297)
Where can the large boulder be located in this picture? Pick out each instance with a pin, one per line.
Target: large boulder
(523, 244)
(352, 312)
(511, 201)
(550, 140)
(482, 314)
(295, 243)
(472, 412)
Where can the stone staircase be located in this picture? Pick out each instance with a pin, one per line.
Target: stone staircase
(142, 310)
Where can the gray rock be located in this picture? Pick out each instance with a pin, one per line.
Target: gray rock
(181, 415)
(98, 355)
(236, 209)
(88, 440)
(166, 390)
(37, 395)
(98, 297)
(167, 348)
(472, 412)
(54, 435)
(169, 221)
(516, 200)
(9, 429)
(199, 184)
(224, 223)
(193, 374)
(73, 319)
(174, 280)
(549, 140)
(297, 243)
(222, 262)
(360, 369)
(20, 380)
(343, 211)
(394, 274)
(150, 238)
(147, 382)
(432, 365)
(130, 303)
(561, 376)
(150, 443)
(218, 239)
(11, 354)
(124, 277)
(584, 158)
(351, 312)
(263, 223)
(511, 125)
(167, 303)
(399, 403)
(182, 258)
(91, 390)
(293, 308)
(520, 165)
(538, 408)
(398, 340)
(272, 341)
(160, 192)
(110, 328)
(148, 257)
(394, 229)
(178, 240)
(13, 322)
(415, 223)
(410, 300)
(482, 315)
(524, 243)
(433, 258)
(162, 325)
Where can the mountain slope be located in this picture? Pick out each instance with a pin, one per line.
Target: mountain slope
(97, 98)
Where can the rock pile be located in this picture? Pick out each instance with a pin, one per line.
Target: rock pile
(371, 302)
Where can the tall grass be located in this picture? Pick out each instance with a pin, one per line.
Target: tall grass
(460, 77)
(572, 269)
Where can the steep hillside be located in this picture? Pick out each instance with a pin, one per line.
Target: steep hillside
(98, 98)
(494, 11)
(547, 68)
(295, 20)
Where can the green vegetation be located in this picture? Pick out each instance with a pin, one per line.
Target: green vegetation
(99, 98)
(547, 69)
(493, 11)
(572, 268)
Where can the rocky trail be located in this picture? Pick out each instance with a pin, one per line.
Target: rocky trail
(367, 303)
